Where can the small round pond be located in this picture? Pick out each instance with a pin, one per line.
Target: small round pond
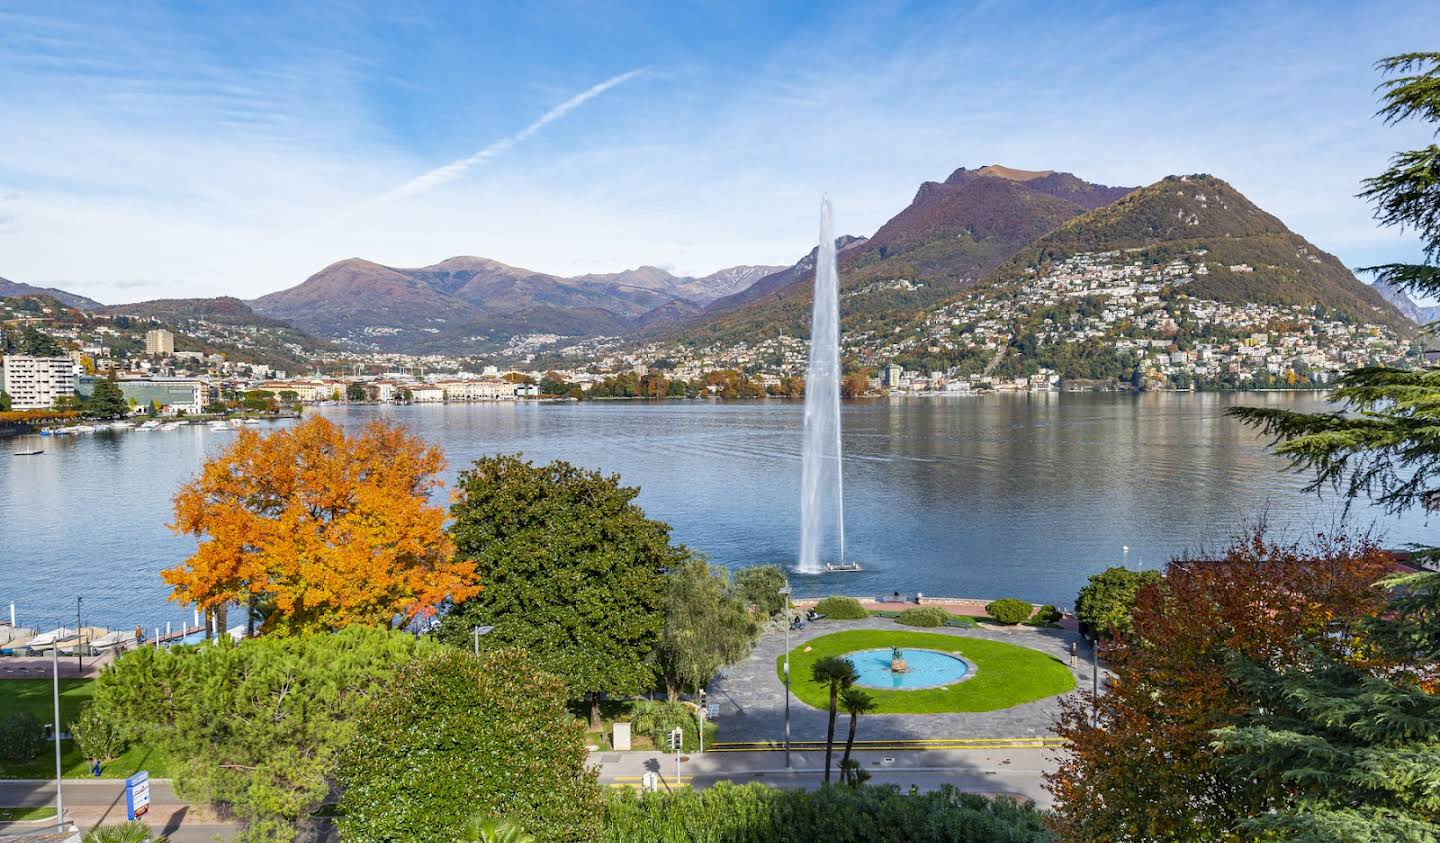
(924, 669)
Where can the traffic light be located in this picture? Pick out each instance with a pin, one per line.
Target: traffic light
(676, 736)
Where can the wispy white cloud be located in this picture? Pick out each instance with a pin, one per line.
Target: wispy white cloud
(455, 169)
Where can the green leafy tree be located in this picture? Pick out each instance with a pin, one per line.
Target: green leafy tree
(759, 586)
(553, 384)
(1107, 601)
(354, 392)
(837, 673)
(855, 702)
(21, 736)
(5, 405)
(574, 572)
(706, 626)
(107, 401)
(99, 737)
(494, 738)
(69, 404)
(255, 726)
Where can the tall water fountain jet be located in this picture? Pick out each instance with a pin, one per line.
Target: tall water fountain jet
(822, 489)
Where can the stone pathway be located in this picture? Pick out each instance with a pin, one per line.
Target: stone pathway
(751, 695)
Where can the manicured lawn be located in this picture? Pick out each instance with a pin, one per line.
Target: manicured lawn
(75, 766)
(44, 812)
(1006, 674)
(36, 697)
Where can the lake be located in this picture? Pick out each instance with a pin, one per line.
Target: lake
(1005, 495)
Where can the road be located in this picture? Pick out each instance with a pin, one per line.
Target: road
(90, 802)
(1012, 772)
(1016, 772)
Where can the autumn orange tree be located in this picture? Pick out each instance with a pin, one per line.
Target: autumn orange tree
(320, 529)
(1141, 763)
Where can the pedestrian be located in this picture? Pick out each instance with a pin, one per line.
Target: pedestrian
(1074, 655)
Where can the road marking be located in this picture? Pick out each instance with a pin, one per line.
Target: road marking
(895, 745)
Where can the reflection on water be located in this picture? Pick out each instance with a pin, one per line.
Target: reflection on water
(1011, 495)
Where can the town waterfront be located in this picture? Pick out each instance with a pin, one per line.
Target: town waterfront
(1019, 495)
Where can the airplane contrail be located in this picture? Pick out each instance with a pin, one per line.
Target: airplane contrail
(455, 169)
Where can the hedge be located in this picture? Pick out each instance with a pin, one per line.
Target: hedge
(757, 813)
(841, 608)
(924, 616)
(1008, 610)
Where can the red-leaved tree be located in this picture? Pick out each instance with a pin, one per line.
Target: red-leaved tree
(1140, 763)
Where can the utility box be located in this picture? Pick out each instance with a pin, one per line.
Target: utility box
(620, 737)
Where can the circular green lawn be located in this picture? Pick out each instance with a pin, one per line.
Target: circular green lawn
(1005, 674)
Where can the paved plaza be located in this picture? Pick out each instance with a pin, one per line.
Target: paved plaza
(752, 697)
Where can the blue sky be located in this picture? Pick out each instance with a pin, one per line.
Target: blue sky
(152, 149)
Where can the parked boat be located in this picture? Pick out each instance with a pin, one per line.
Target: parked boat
(252, 421)
(149, 425)
(28, 453)
(18, 638)
(170, 426)
(46, 641)
(83, 428)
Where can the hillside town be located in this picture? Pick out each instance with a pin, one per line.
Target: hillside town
(1131, 314)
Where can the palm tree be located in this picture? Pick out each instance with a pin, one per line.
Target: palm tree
(483, 830)
(837, 673)
(857, 702)
(131, 832)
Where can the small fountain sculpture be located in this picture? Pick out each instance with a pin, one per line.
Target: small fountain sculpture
(897, 661)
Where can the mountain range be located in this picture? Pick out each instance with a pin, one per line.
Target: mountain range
(468, 303)
(1418, 313)
(10, 289)
(986, 226)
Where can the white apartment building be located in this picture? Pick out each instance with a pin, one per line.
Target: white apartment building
(159, 341)
(33, 383)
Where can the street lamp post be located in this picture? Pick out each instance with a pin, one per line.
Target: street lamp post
(79, 638)
(785, 592)
(59, 785)
(479, 631)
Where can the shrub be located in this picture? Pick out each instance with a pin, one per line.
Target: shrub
(1048, 614)
(923, 616)
(654, 720)
(841, 608)
(258, 724)
(1104, 605)
(1008, 610)
(98, 736)
(453, 736)
(757, 813)
(134, 831)
(22, 737)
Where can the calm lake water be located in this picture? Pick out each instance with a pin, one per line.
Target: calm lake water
(1008, 495)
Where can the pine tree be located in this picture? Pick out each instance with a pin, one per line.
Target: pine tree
(1355, 735)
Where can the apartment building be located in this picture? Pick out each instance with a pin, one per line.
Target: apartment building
(34, 383)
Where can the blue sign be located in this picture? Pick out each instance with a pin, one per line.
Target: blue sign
(137, 795)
